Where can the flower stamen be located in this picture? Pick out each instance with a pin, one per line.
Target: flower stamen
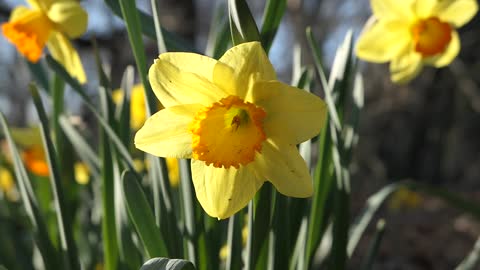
(228, 133)
(431, 36)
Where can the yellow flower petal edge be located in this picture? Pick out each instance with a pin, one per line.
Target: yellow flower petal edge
(238, 124)
(414, 32)
(48, 23)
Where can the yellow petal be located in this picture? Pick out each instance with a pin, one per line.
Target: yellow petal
(28, 30)
(40, 4)
(19, 12)
(448, 55)
(166, 132)
(392, 9)
(294, 115)
(117, 96)
(138, 110)
(223, 192)
(383, 41)
(248, 59)
(406, 67)
(70, 17)
(281, 164)
(63, 51)
(186, 78)
(456, 12)
(424, 8)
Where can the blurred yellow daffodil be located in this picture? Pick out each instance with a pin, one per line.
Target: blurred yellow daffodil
(238, 124)
(50, 23)
(82, 173)
(404, 198)
(33, 154)
(413, 33)
(7, 184)
(35, 162)
(138, 111)
(173, 172)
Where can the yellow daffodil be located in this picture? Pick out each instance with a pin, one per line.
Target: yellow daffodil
(50, 23)
(33, 153)
(173, 172)
(138, 112)
(238, 124)
(7, 184)
(404, 198)
(82, 173)
(35, 160)
(413, 33)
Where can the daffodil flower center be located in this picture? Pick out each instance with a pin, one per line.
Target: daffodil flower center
(228, 133)
(29, 34)
(431, 36)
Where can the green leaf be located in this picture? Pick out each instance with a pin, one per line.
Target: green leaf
(50, 255)
(242, 24)
(142, 217)
(219, 35)
(189, 211)
(122, 113)
(83, 149)
(162, 48)
(132, 21)
(172, 41)
(115, 140)
(129, 255)
(60, 70)
(165, 216)
(39, 73)
(167, 264)
(64, 224)
(297, 261)
(280, 246)
(109, 230)
(323, 181)
(272, 16)
(234, 242)
(259, 211)
(374, 245)
(472, 261)
(373, 204)
(104, 81)
(333, 114)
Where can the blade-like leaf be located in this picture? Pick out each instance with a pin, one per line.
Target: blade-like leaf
(83, 149)
(51, 257)
(109, 229)
(242, 24)
(374, 245)
(60, 71)
(219, 35)
(373, 204)
(172, 41)
(142, 217)
(167, 264)
(189, 211)
(132, 21)
(39, 73)
(472, 261)
(234, 242)
(158, 28)
(64, 224)
(274, 10)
